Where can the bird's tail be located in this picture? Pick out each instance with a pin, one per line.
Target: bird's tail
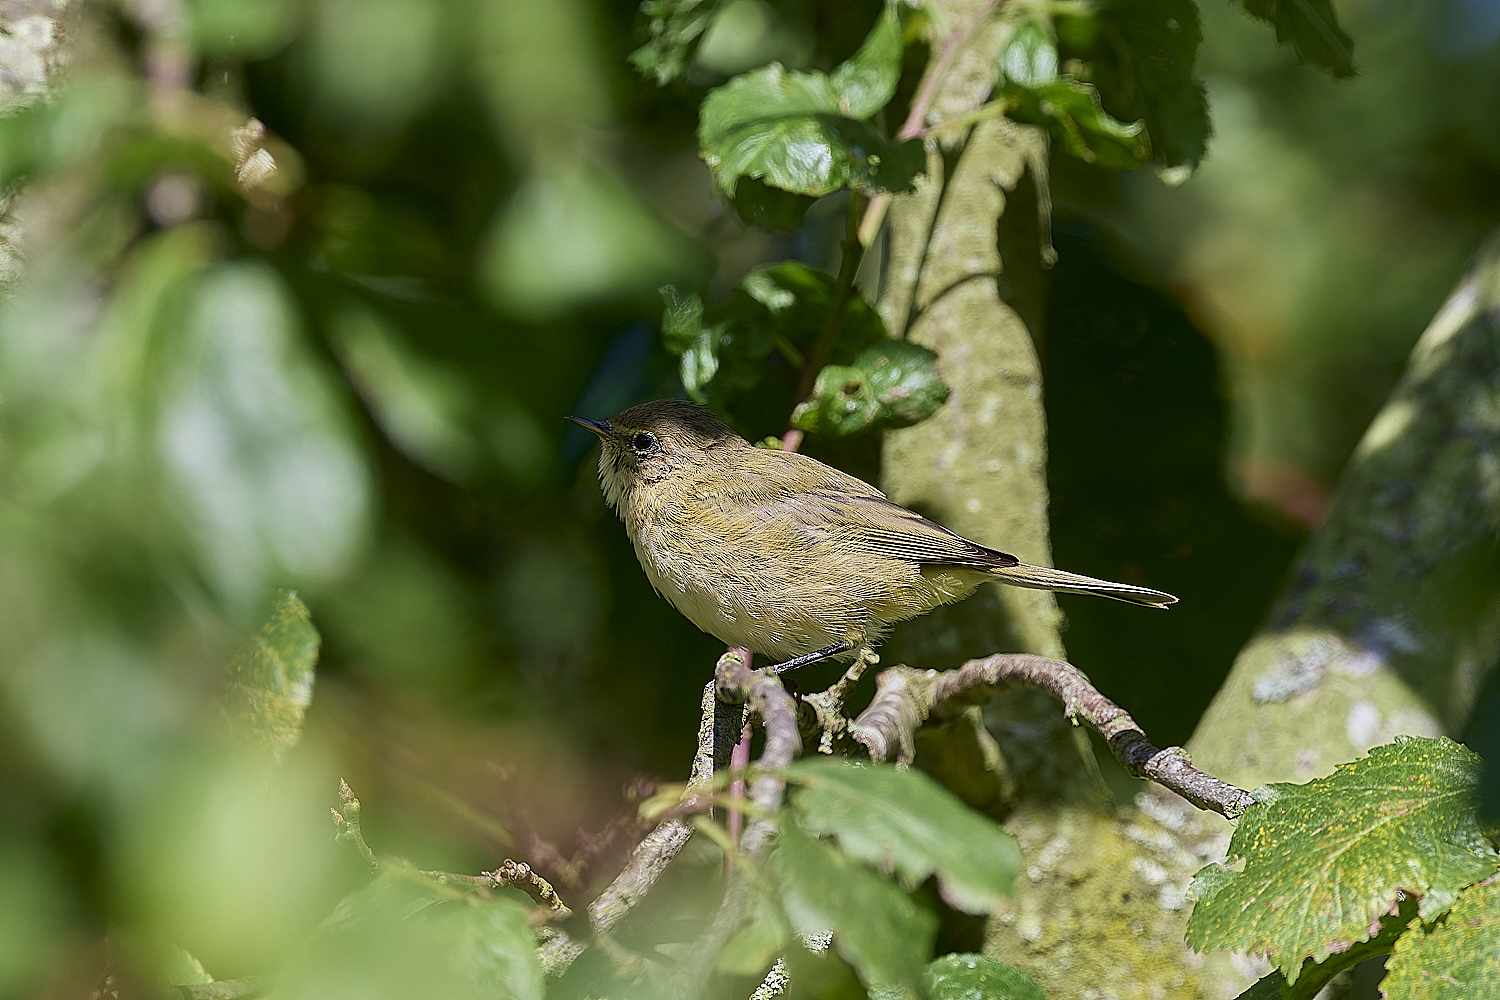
(1043, 578)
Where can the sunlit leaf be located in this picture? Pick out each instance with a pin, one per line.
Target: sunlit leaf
(1323, 861)
(877, 928)
(271, 681)
(974, 977)
(904, 821)
(1311, 28)
(894, 384)
(685, 334)
(1029, 58)
(805, 132)
(1457, 956)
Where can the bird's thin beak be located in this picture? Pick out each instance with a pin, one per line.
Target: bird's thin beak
(599, 427)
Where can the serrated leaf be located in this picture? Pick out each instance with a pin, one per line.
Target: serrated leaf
(894, 384)
(271, 681)
(1325, 860)
(805, 132)
(905, 822)
(1311, 28)
(1140, 59)
(883, 935)
(1314, 976)
(974, 977)
(673, 29)
(1459, 956)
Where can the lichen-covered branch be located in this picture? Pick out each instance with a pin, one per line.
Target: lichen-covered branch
(1392, 620)
(906, 698)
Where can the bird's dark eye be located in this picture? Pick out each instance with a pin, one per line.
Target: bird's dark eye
(644, 441)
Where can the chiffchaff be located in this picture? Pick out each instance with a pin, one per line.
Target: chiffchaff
(781, 554)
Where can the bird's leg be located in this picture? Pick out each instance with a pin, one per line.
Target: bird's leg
(806, 658)
(863, 660)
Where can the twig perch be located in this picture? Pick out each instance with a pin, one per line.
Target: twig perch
(905, 698)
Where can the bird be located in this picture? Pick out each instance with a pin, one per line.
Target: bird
(780, 554)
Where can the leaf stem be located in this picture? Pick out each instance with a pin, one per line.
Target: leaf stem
(854, 255)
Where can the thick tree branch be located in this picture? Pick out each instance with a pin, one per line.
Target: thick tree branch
(906, 698)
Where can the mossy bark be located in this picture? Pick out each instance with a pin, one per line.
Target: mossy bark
(1389, 626)
(965, 278)
(1392, 619)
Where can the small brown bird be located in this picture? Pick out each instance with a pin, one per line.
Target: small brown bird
(781, 554)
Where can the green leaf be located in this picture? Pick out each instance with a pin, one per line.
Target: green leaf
(255, 28)
(1072, 113)
(904, 821)
(271, 681)
(1458, 956)
(974, 977)
(425, 409)
(402, 936)
(684, 333)
(867, 82)
(805, 132)
(575, 234)
(1314, 976)
(1311, 28)
(1140, 58)
(1324, 860)
(256, 438)
(1029, 58)
(723, 349)
(894, 384)
(877, 928)
(673, 29)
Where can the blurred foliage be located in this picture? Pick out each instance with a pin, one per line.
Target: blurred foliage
(295, 295)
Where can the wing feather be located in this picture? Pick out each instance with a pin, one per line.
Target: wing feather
(830, 506)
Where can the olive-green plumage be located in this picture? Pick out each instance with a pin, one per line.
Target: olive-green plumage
(781, 554)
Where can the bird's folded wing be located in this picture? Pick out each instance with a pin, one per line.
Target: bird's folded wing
(819, 505)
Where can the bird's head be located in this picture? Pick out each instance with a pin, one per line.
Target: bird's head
(656, 442)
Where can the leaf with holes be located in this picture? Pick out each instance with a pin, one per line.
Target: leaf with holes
(1324, 861)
